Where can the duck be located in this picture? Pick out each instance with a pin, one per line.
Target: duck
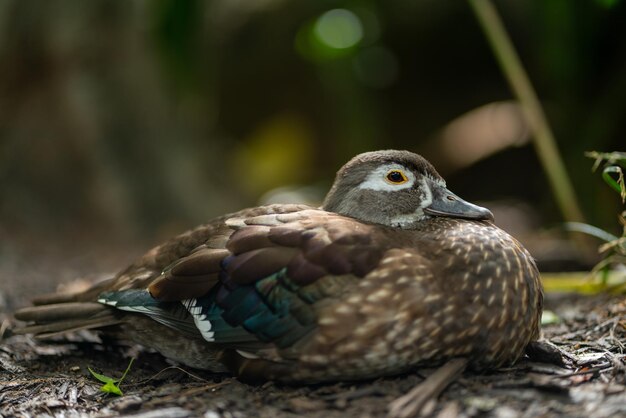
(393, 272)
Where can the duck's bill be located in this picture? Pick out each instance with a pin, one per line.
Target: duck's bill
(445, 203)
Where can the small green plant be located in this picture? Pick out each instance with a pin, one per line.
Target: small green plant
(614, 249)
(111, 385)
(614, 164)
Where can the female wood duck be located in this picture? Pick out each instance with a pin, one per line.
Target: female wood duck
(393, 271)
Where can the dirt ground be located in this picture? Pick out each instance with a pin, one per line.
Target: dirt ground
(586, 378)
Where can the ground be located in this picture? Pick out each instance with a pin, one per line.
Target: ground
(585, 375)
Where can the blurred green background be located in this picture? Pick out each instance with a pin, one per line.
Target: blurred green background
(128, 121)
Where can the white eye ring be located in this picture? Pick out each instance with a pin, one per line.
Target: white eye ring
(377, 179)
(396, 177)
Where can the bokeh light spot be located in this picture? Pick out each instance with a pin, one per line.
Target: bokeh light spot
(339, 28)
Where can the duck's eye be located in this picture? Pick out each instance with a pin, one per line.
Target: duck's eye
(396, 177)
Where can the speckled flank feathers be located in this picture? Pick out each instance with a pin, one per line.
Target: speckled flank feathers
(294, 293)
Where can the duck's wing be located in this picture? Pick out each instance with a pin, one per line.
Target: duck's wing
(64, 312)
(263, 290)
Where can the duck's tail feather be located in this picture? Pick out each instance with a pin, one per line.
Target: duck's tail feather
(86, 295)
(59, 318)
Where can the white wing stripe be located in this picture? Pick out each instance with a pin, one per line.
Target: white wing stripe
(200, 319)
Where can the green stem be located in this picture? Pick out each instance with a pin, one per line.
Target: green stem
(544, 142)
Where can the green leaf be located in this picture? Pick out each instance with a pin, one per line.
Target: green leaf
(589, 230)
(111, 388)
(102, 378)
(618, 184)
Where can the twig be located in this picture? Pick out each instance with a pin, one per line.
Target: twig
(166, 369)
(427, 391)
(590, 370)
(586, 330)
(614, 338)
(188, 392)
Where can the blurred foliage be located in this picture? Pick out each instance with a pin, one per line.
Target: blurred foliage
(613, 166)
(613, 249)
(277, 153)
(136, 118)
(581, 282)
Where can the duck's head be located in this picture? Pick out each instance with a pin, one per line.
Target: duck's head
(396, 188)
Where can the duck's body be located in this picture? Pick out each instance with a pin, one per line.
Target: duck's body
(370, 285)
